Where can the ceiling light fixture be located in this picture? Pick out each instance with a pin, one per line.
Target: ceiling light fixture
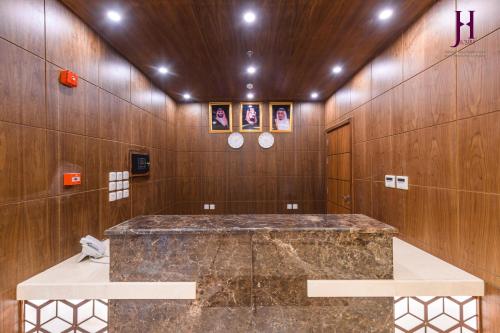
(186, 96)
(251, 70)
(385, 14)
(336, 69)
(250, 95)
(249, 17)
(314, 95)
(114, 16)
(249, 86)
(163, 70)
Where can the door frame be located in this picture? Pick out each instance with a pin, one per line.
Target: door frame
(343, 122)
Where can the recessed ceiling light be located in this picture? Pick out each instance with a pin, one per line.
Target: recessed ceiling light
(385, 14)
(314, 95)
(249, 17)
(114, 16)
(163, 70)
(250, 95)
(186, 96)
(251, 70)
(336, 69)
(249, 86)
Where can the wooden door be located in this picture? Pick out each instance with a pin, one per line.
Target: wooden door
(338, 170)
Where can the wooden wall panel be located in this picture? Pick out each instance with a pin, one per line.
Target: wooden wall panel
(47, 129)
(435, 117)
(23, 24)
(250, 179)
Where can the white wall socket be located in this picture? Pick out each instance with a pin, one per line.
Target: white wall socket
(206, 206)
(119, 195)
(289, 206)
(212, 206)
(119, 175)
(112, 196)
(112, 186)
(295, 206)
(390, 181)
(125, 194)
(402, 182)
(112, 176)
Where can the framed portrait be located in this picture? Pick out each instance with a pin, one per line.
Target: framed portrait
(220, 117)
(251, 117)
(281, 116)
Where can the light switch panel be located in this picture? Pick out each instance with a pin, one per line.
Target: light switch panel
(112, 176)
(212, 206)
(119, 175)
(119, 185)
(295, 206)
(112, 196)
(125, 175)
(119, 195)
(206, 206)
(112, 186)
(390, 181)
(402, 182)
(125, 184)
(289, 206)
(125, 194)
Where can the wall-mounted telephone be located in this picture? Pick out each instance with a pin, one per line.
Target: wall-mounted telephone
(92, 247)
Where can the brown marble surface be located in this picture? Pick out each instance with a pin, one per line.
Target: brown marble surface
(251, 272)
(172, 224)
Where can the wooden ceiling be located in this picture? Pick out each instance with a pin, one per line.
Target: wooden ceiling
(204, 43)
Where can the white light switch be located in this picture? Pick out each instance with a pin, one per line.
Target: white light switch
(119, 195)
(119, 185)
(402, 182)
(112, 196)
(112, 186)
(125, 175)
(212, 206)
(295, 206)
(390, 181)
(125, 184)
(112, 176)
(206, 206)
(125, 194)
(289, 206)
(119, 175)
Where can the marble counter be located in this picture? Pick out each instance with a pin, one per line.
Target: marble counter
(251, 272)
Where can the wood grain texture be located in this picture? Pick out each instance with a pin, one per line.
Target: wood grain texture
(140, 89)
(434, 116)
(206, 39)
(479, 153)
(47, 129)
(22, 85)
(361, 87)
(22, 23)
(478, 81)
(71, 44)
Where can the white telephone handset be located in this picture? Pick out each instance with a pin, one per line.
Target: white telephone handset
(92, 247)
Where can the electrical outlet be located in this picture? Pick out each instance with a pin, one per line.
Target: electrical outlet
(402, 182)
(119, 195)
(125, 194)
(112, 176)
(119, 175)
(295, 206)
(125, 175)
(206, 206)
(212, 206)
(289, 206)
(112, 196)
(112, 186)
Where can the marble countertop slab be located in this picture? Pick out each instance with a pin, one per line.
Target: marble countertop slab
(215, 224)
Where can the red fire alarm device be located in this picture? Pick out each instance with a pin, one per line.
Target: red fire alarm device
(68, 78)
(71, 179)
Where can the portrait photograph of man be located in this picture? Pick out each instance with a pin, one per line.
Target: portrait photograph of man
(281, 117)
(220, 118)
(250, 117)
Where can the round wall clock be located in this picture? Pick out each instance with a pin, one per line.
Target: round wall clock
(235, 140)
(266, 140)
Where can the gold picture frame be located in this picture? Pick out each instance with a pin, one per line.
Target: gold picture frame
(215, 125)
(245, 126)
(286, 124)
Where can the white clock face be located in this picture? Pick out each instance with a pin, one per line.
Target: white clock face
(266, 140)
(235, 140)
